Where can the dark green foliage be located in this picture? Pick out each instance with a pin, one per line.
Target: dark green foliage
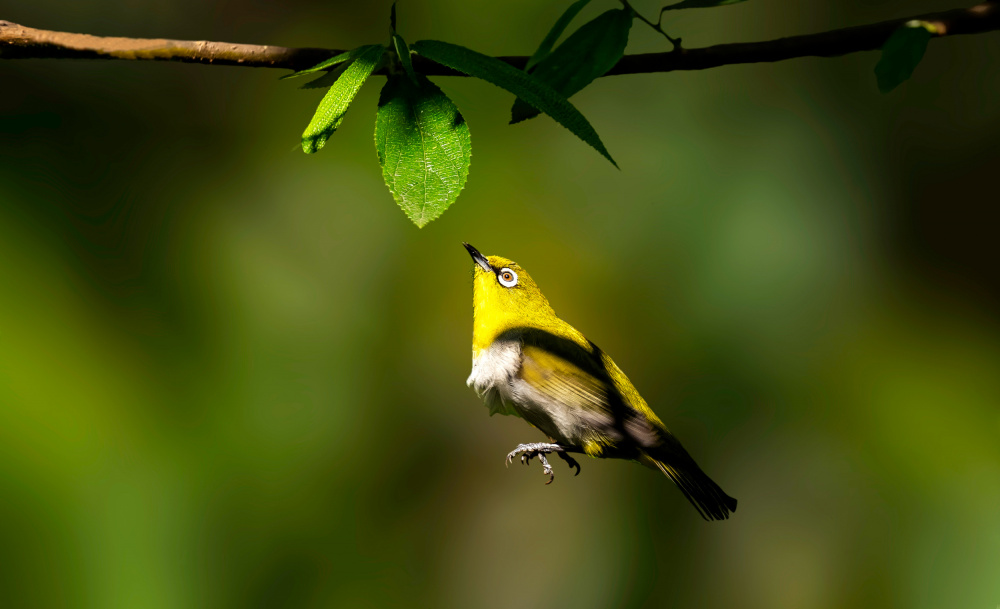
(557, 29)
(586, 55)
(403, 52)
(901, 54)
(536, 93)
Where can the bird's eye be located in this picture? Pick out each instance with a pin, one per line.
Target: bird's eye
(507, 278)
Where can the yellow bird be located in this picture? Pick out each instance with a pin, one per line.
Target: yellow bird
(529, 363)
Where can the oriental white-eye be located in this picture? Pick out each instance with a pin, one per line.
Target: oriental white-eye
(529, 363)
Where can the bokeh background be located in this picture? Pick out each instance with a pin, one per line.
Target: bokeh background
(232, 375)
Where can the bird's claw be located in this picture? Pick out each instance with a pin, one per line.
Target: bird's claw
(527, 452)
(570, 461)
(546, 468)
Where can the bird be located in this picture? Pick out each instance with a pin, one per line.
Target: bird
(528, 362)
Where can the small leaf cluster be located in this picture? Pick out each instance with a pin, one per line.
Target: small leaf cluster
(423, 143)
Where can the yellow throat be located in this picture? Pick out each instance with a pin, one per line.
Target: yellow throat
(499, 308)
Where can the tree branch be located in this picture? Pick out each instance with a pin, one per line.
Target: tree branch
(19, 42)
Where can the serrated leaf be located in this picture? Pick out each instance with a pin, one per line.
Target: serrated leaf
(326, 64)
(403, 52)
(520, 83)
(330, 112)
(586, 55)
(557, 29)
(901, 54)
(699, 4)
(423, 145)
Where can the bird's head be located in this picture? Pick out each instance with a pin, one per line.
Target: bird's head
(504, 296)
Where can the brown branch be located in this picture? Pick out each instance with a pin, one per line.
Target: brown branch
(19, 42)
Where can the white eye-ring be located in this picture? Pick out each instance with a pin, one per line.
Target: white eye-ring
(507, 278)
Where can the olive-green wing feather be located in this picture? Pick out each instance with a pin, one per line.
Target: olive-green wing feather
(563, 381)
(581, 401)
(588, 378)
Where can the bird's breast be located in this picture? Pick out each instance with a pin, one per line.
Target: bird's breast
(493, 368)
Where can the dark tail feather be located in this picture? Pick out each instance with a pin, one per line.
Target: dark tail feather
(704, 494)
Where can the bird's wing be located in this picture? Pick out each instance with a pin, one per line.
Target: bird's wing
(563, 381)
(578, 381)
(575, 405)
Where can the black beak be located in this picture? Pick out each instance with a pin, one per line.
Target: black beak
(479, 258)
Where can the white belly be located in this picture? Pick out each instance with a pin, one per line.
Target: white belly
(493, 371)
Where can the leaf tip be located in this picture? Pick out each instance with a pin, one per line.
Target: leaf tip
(310, 145)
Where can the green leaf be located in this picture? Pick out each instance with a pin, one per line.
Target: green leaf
(901, 53)
(330, 112)
(699, 4)
(327, 79)
(403, 52)
(520, 83)
(550, 39)
(587, 54)
(423, 145)
(326, 64)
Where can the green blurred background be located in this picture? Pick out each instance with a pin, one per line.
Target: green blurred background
(232, 375)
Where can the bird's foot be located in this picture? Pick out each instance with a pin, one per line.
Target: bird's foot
(528, 452)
